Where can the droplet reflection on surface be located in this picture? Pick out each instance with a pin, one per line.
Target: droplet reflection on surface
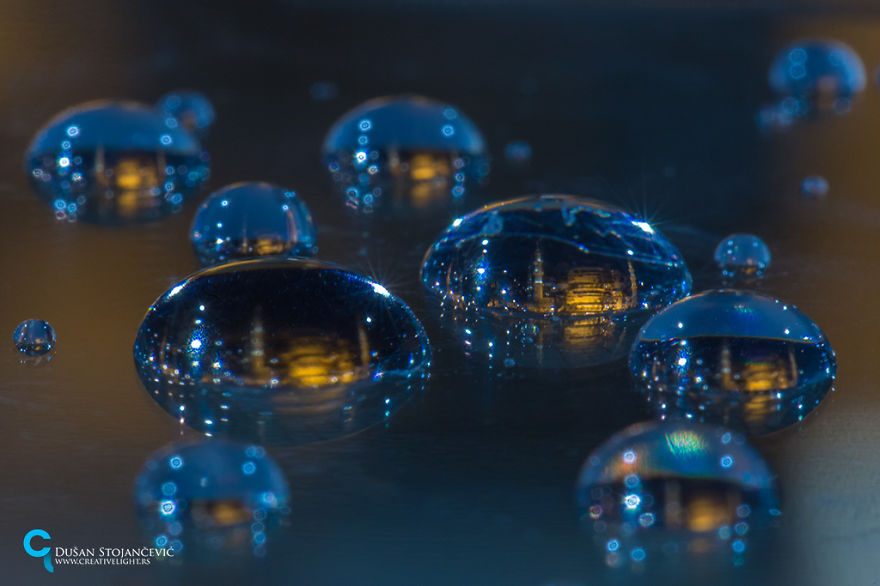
(187, 109)
(404, 152)
(742, 255)
(34, 337)
(733, 357)
(114, 162)
(817, 74)
(285, 351)
(211, 497)
(252, 219)
(552, 278)
(655, 490)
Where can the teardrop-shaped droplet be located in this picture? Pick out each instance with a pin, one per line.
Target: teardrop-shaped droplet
(552, 277)
(246, 220)
(404, 152)
(211, 497)
(655, 490)
(187, 109)
(114, 162)
(285, 351)
(733, 357)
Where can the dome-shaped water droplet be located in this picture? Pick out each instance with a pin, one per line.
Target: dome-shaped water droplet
(187, 109)
(558, 275)
(404, 151)
(34, 337)
(742, 255)
(285, 351)
(820, 74)
(733, 357)
(815, 186)
(211, 497)
(114, 162)
(252, 219)
(656, 489)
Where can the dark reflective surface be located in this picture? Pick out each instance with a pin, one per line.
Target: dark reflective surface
(474, 484)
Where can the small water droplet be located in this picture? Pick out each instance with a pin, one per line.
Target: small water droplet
(815, 186)
(187, 109)
(559, 273)
(742, 255)
(518, 152)
(211, 497)
(252, 219)
(34, 337)
(323, 91)
(656, 489)
(733, 357)
(406, 152)
(287, 351)
(818, 75)
(114, 162)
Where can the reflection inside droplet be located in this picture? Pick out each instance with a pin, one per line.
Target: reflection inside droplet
(284, 351)
(211, 497)
(114, 162)
(404, 152)
(658, 489)
(551, 278)
(733, 357)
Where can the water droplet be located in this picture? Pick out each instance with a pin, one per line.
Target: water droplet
(114, 162)
(554, 274)
(820, 74)
(404, 151)
(814, 186)
(518, 152)
(211, 497)
(323, 91)
(286, 351)
(252, 219)
(742, 255)
(187, 109)
(733, 357)
(658, 488)
(34, 337)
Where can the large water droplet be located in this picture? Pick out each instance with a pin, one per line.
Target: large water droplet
(742, 255)
(819, 74)
(34, 337)
(656, 489)
(552, 277)
(733, 357)
(114, 162)
(252, 219)
(211, 497)
(281, 350)
(404, 151)
(187, 109)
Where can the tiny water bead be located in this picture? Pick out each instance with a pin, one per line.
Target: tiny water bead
(815, 186)
(187, 109)
(655, 490)
(742, 255)
(404, 152)
(518, 153)
(252, 219)
(114, 162)
(211, 497)
(34, 337)
(556, 274)
(738, 358)
(284, 351)
(818, 74)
